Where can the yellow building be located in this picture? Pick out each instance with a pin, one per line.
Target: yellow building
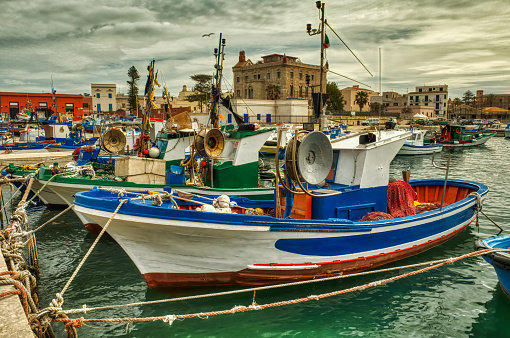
(293, 78)
(349, 95)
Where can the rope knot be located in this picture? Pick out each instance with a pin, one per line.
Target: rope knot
(169, 319)
(75, 322)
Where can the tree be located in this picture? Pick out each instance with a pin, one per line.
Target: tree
(468, 97)
(336, 99)
(361, 99)
(133, 87)
(201, 89)
(273, 92)
(490, 99)
(376, 107)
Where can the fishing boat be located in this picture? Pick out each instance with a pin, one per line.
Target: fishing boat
(498, 128)
(227, 162)
(507, 131)
(499, 260)
(455, 136)
(415, 144)
(353, 220)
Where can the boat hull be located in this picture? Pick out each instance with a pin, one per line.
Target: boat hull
(409, 149)
(499, 260)
(472, 143)
(189, 248)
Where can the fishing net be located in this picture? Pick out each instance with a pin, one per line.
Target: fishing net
(401, 197)
(375, 216)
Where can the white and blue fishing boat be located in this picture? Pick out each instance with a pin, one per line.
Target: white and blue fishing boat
(500, 260)
(415, 145)
(353, 220)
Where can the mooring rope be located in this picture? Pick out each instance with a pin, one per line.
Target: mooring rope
(56, 304)
(254, 306)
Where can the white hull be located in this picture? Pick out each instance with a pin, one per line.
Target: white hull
(419, 150)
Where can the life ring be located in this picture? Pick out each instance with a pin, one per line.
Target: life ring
(63, 142)
(458, 130)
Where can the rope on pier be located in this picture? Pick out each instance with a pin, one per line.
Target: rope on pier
(19, 274)
(169, 319)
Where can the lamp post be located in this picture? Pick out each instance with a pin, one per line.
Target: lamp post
(320, 6)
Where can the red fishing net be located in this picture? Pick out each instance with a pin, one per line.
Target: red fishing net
(401, 197)
(375, 216)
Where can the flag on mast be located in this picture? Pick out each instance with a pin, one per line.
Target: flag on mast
(326, 41)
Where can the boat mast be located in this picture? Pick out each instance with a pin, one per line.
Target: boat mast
(144, 128)
(219, 53)
(321, 6)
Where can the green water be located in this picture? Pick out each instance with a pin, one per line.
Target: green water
(459, 300)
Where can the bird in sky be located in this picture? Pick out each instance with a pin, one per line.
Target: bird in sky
(207, 34)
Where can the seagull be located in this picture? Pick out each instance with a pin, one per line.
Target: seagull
(208, 35)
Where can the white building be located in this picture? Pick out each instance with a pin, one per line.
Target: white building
(104, 97)
(271, 111)
(435, 96)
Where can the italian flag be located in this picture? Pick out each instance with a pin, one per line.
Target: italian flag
(326, 41)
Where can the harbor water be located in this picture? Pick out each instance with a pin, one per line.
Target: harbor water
(462, 299)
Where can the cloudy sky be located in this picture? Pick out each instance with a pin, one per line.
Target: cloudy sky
(462, 43)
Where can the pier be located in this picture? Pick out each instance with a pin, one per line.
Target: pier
(13, 321)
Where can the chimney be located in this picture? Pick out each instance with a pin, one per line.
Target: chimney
(242, 56)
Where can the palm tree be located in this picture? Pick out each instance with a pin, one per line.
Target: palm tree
(273, 92)
(361, 99)
(490, 99)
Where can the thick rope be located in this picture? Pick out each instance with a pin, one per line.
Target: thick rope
(170, 318)
(57, 303)
(84, 308)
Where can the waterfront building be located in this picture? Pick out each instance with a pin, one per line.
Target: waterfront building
(104, 97)
(294, 79)
(435, 96)
(349, 94)
(276, 89)
(13, 103)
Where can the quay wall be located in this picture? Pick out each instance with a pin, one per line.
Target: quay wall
(13, 322)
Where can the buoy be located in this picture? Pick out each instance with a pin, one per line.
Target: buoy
(154, 152)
